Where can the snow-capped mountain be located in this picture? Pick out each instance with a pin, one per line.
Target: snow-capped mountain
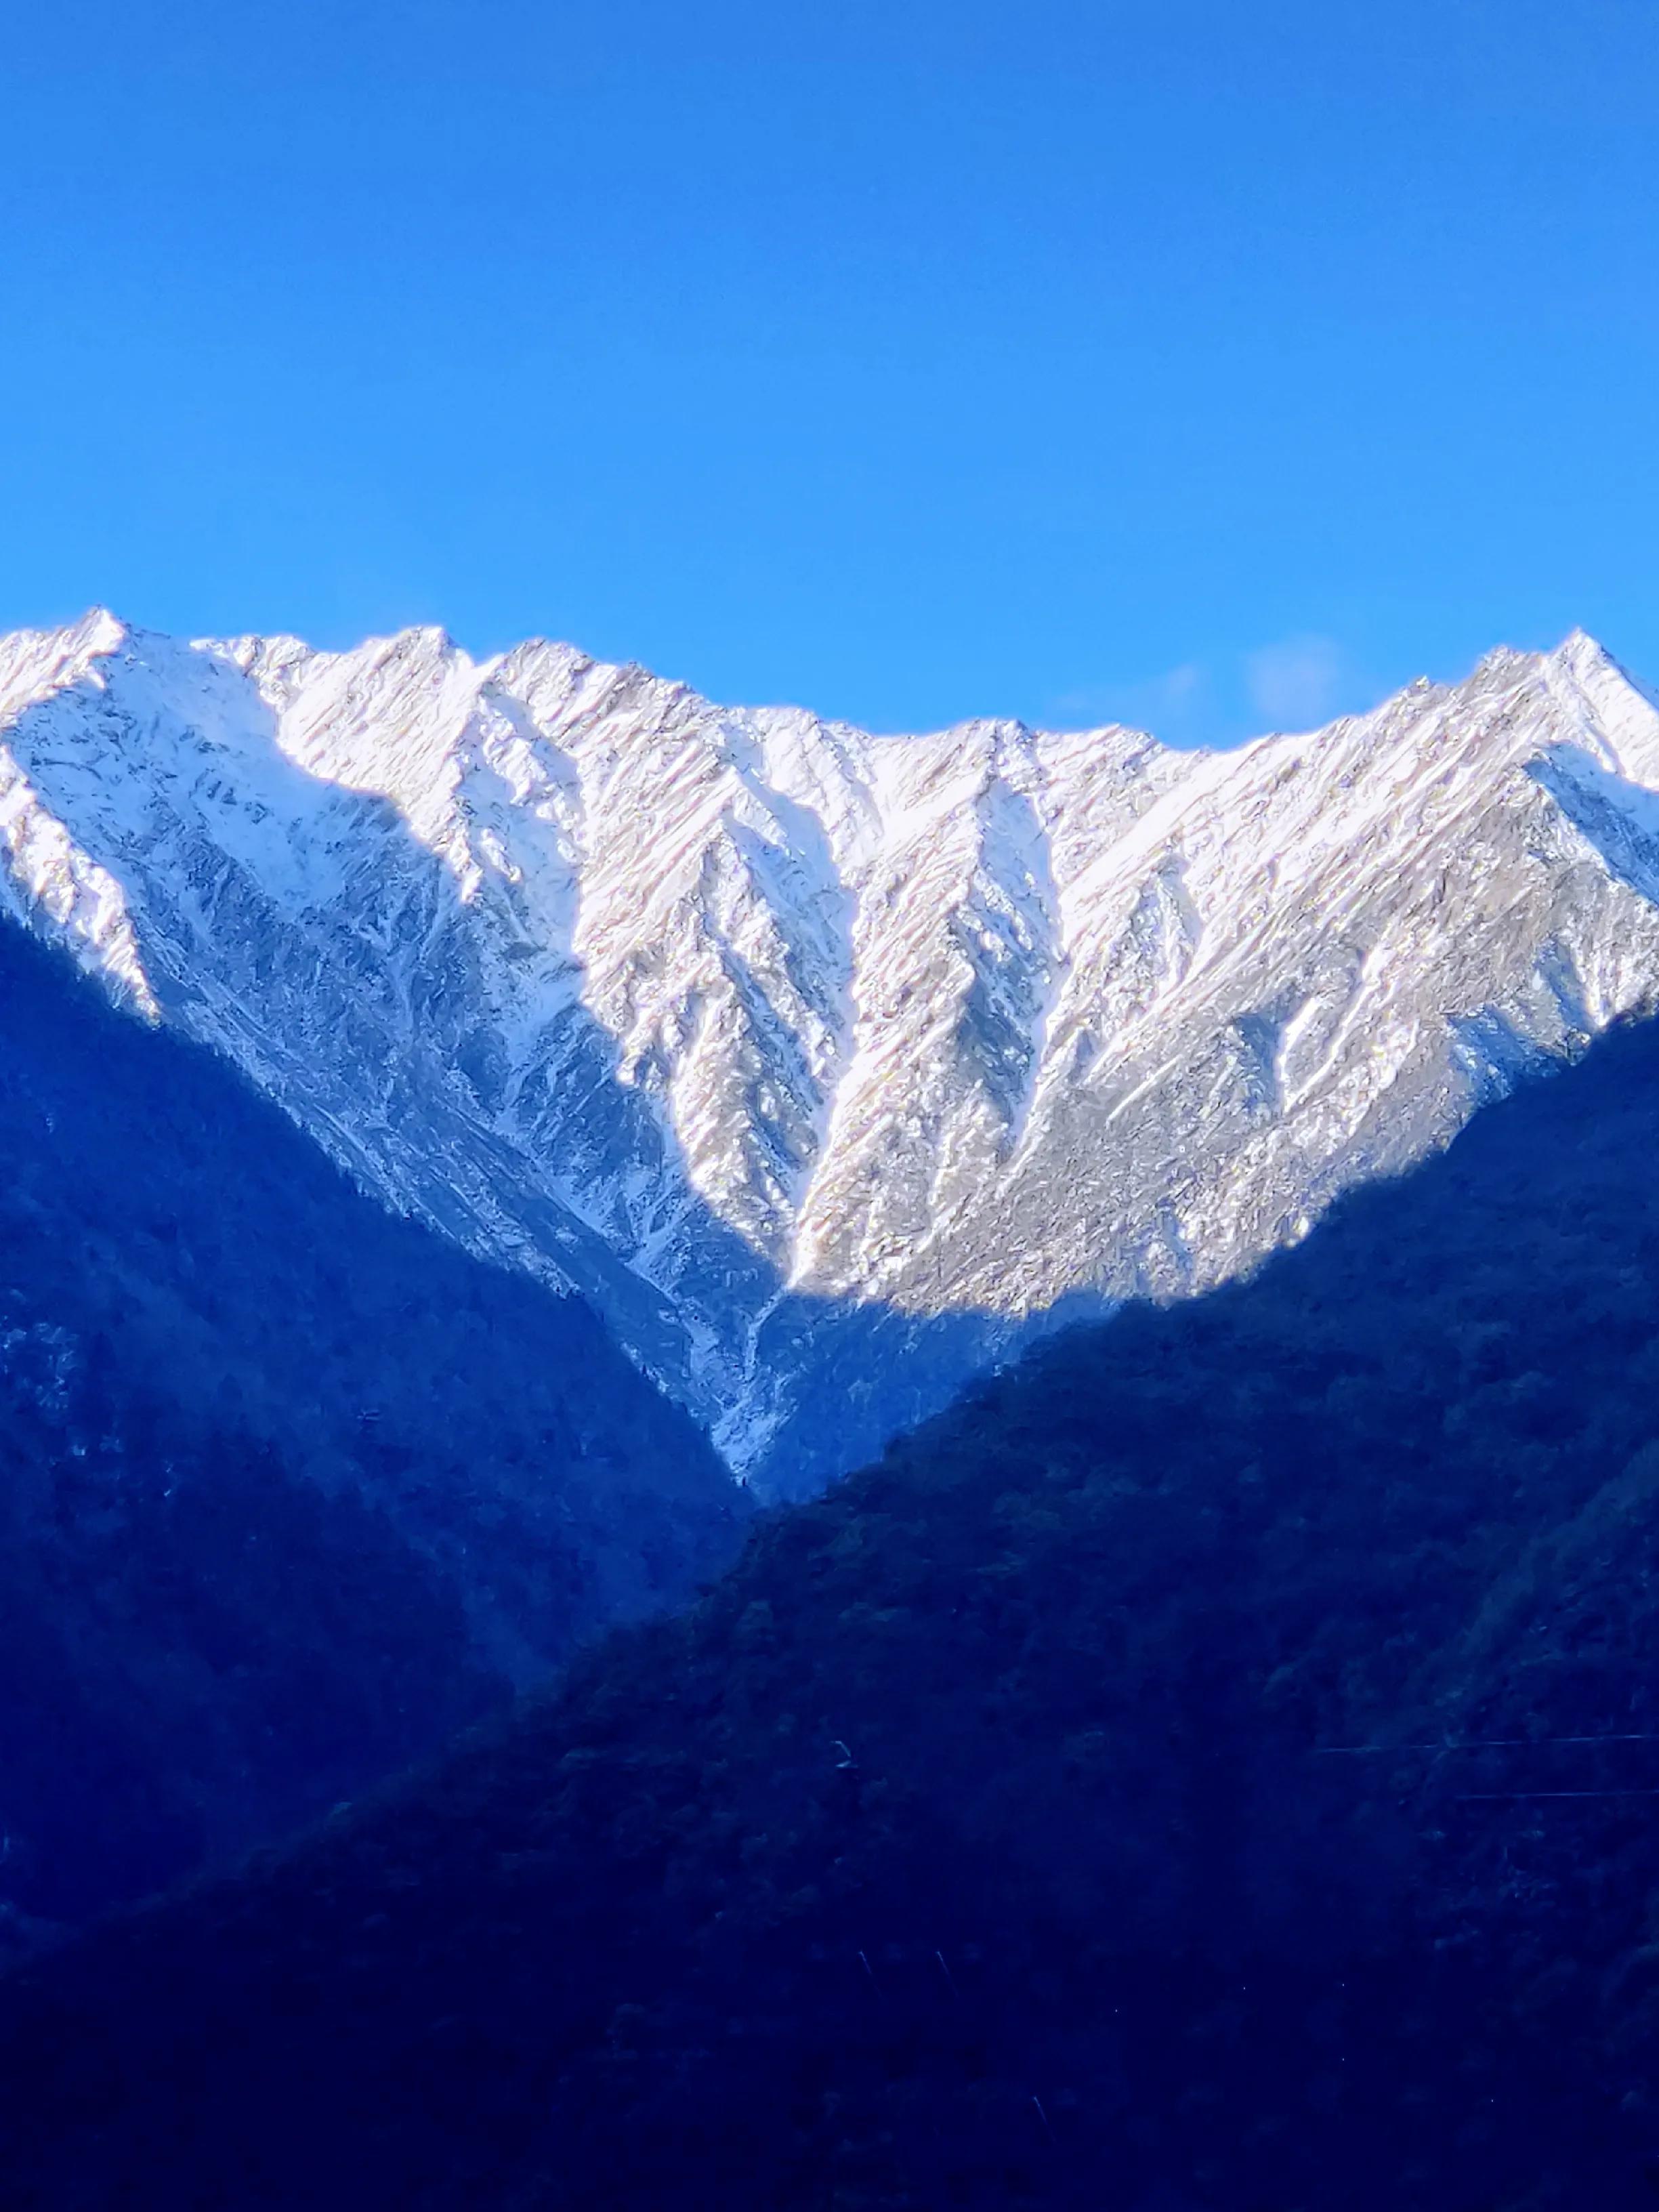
(778, 1041)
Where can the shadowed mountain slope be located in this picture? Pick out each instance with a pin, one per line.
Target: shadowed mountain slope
(1212, 1767)
(288, 1488)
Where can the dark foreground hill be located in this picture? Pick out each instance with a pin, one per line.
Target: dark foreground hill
(289, 1489)
(1214, 1767)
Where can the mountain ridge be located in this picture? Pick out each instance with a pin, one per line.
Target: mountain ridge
(764, 1033)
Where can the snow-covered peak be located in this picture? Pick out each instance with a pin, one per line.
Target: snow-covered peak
(33, 662)
(735, 1017)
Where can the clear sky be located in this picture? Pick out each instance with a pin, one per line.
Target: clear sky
(1206, 365)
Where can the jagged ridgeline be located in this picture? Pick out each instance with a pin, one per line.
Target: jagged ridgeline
(290, 1488)
(826, 1064)
(1214, 1766)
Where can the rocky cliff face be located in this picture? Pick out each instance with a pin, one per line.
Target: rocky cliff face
(826, 1064)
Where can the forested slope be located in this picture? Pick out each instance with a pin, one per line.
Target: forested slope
(288, 1488)
(1077, 1808)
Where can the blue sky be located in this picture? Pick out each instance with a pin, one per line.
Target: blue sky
(1205, 366)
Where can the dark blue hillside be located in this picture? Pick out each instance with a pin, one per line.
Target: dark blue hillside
(289, 1488)
(1214, 1769)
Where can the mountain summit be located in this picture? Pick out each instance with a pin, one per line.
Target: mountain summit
(764, 1033)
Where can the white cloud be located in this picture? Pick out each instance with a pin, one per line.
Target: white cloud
(1297, 682)
(1295, 685)
(1170, 706)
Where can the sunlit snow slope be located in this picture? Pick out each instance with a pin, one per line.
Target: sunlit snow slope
(777, 1040)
